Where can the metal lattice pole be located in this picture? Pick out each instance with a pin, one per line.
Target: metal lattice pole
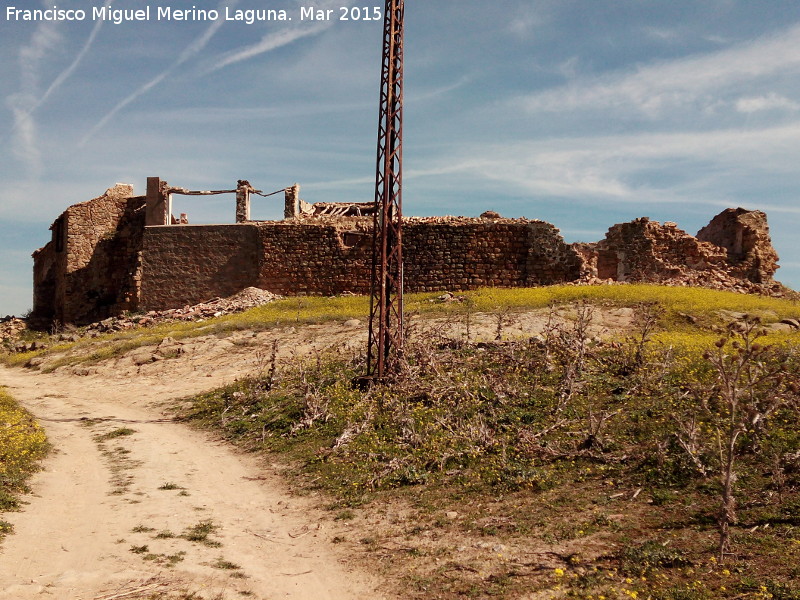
(386, 303)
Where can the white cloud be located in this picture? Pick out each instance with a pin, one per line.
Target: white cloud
(273, 41)
(771, 101)
(268, 43)
(64, 75)
(653, 88)
(691, 167)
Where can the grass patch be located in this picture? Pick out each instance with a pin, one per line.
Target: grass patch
(22, 445)
(676, 301)
(169, 486)
(201, 532)
(225, 565)
(121, 432)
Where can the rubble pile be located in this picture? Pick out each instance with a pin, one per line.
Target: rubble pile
(11, 329)
(714, 280)
(247, 298)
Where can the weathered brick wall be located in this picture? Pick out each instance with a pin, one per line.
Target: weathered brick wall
(315, 258)
(464, 254)
(190, 264)
(187, 264)
(44, 286)
(439, 254)
(103, 253)
(102, 259)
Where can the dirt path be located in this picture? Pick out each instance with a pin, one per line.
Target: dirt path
(98, 504)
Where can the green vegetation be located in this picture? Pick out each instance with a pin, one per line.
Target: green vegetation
(701, 303)
(662, 463)
(685, 431)
(201, 532)
(22, 445)
(121, 432)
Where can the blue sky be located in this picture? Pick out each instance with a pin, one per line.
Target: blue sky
(584, 113)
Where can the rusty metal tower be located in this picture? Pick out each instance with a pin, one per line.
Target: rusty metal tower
(386, 302)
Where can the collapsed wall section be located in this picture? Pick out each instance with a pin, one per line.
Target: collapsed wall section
(744, 234)
(645, 250)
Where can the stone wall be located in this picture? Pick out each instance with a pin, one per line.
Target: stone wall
(89, 270)
(464, 254)
(44, 286)
(645, 250)
(744, 234)
(103, 260)
(189, 264)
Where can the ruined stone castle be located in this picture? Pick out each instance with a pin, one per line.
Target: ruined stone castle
(121, 252)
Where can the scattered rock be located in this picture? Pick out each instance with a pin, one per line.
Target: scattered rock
(216, 307)
(141, 356)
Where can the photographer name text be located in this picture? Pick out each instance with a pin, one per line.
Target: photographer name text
(118, 16)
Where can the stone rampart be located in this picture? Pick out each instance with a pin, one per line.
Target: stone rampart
(103, 259)
(189, 264)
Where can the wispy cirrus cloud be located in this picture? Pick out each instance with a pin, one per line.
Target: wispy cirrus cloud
(645, 168)
(188, 53)
(32, 55)
(66, 73)
(614, 167)
(656, 87)
(269, 42)
(273, 41)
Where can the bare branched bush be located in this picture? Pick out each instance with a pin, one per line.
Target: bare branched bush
(751, 384)
(568, 346)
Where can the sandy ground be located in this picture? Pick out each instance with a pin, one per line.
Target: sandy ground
(91, 527)
(74, 539)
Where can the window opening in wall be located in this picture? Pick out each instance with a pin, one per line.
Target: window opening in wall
(58, 234)
(222, 206)
(353, 239)
(266, 209)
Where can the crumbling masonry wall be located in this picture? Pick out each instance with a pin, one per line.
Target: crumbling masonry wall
(90, 268)
(103, 259)
(744, 234)
(191, 264)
